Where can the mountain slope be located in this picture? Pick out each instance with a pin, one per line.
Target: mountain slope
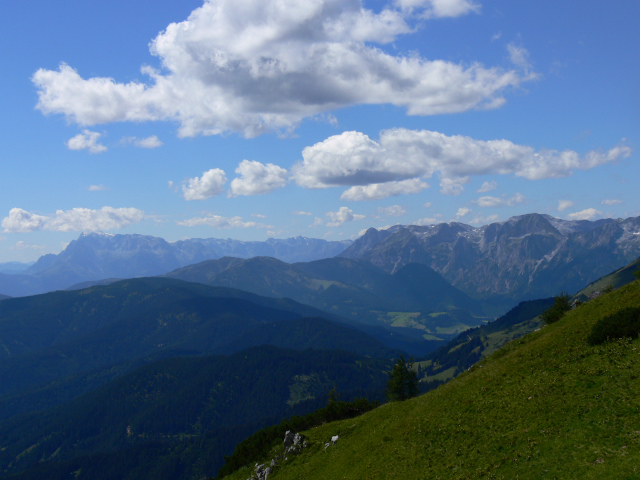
(348, 287)
(616, 279)
(198, 406)
(63, 342)
(547, 405)
(415, 302)
(526, 257)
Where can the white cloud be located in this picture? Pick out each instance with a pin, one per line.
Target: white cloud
(87, 220)
(463, 211)
(392, 211)
(87, 140)
(481, 220)
(258, 215)
(587, 214)
(519, 56)
(611, 201)
(22, 245)
(317, 222)
(353, 159)
(209, 185)
(440, 8)
(74, 220)
(252, 66)
(217, 221)
(150, 142)
(257, 178)
(300, 212)
(427, 205)
(343, 215)
(97, 188)
(429, 220)
(489, 202)
(377, 191)
(564, 204)
(21, 221)
(487, 186)
(453, 186)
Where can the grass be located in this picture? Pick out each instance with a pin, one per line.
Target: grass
(544, 406)
(434, 324)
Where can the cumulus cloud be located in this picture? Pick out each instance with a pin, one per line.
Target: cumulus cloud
(209, 185)
(611, 201)
(487, 186)
(587, 214)
(97, 188)
(217, 221)
(489, 202)
(87, 140)
(21, 221)
(149, 142)
(252, 66)
(564, 204)
(463, 211)
(376, 191)
(74, 220)
(392, 211)
(343, 215)
(354, 159)
(257, 178)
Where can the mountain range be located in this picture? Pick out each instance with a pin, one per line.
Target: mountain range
(527, 257)
(98, 256)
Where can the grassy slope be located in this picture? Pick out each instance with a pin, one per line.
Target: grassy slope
(544, 406)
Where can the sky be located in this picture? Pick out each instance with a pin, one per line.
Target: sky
(252, 119)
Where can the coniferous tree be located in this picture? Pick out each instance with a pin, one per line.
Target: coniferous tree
(403, 381)
(561, 305)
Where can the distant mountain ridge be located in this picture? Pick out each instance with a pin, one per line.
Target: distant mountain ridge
(97, 256)
(526, 257)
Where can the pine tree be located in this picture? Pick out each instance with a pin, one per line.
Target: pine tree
(561, 305)
(403, 381)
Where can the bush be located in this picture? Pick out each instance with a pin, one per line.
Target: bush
(623, 324)
(558, 309)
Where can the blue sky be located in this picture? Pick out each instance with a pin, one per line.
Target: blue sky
(252, 119)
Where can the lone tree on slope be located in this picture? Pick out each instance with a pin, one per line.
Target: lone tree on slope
(403, 381)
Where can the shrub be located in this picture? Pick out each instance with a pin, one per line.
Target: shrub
(623, 324)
